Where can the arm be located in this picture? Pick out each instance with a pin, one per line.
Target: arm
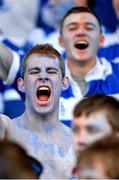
(6, 59)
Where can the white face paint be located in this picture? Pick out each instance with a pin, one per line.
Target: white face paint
(42, 83)
(88, 130)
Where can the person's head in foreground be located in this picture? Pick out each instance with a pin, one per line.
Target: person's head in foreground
(15, 163)
(100, 160)
(94, 117)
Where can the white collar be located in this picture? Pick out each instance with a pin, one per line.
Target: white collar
(101, 69)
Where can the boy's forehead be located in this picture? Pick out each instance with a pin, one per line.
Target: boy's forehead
(42, 59)
(86, 17)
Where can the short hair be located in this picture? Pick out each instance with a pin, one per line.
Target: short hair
(47, 50)
(106, 151)
(75, 10)
(99, 102)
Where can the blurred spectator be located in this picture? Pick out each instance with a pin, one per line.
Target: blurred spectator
(94, 118)
(18, 18)
(15, 163)
(88, 74)
(100, 160)
(109, 21)
(48, 23)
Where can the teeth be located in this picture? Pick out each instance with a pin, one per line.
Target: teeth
(81, 42)
(44, 88)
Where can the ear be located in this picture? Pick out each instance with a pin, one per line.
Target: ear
(61, 41)
(66, 83)
(20, 83)
(102, 40)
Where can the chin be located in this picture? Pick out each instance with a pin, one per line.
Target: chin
(44, 111)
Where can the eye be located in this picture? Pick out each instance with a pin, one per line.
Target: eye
(90, 27)
(76, 129)
(71, 28)
(52, 71)
(92, 130)
(34, 71)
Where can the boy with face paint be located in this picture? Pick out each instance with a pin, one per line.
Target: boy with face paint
(94, 118)
(100, 160)
(81, 36)
(39, 128)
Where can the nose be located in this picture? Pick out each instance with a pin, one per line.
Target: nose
(43, 77)
(81, 31)
(81, 140)
(81, 137)
(79, 143)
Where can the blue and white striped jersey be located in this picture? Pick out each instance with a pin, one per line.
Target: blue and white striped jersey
(102, 79)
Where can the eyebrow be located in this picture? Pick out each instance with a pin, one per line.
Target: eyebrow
(50, 68)
(71, 24)
(94, 126)
(90, 23)
(86, 23)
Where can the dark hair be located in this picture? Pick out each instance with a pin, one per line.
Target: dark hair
(16, 163)
(44, 49)
(97, 103)
(79, 9)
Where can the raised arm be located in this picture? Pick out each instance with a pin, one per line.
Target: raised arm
(6, 59)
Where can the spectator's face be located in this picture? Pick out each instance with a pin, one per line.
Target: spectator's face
(81, 37)
(42, 83)
(88, 130)
(92, 171)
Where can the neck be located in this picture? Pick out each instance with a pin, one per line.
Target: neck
(40, 123)
(80, 68)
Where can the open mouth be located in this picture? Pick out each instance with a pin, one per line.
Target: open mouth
(43, 95)
(81, 44)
